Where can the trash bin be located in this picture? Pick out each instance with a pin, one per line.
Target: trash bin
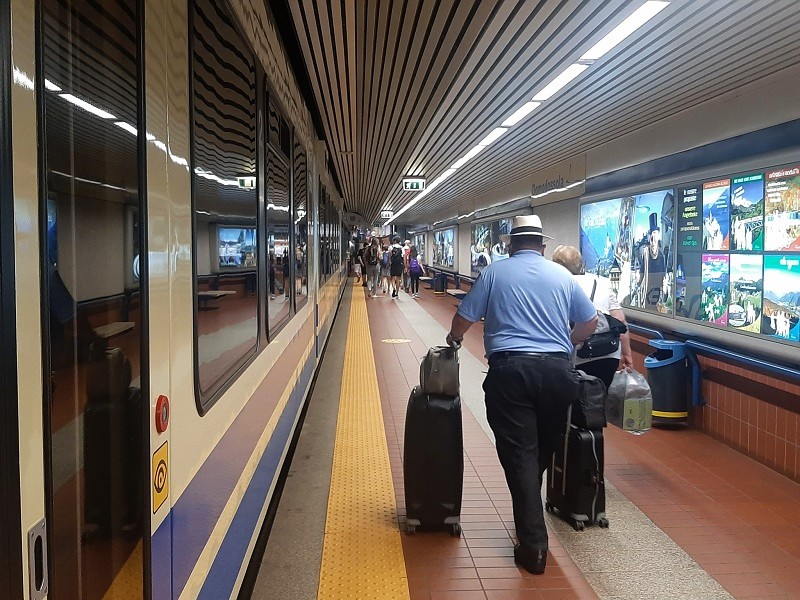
(668, 374)
(439, 283)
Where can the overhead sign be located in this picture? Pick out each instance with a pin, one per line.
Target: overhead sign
(413, 184)
(387, 214)
(247, 182)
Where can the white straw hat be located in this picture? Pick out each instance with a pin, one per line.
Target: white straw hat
(525, 225)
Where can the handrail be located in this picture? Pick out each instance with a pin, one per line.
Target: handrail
(704, 348)
(645, 331)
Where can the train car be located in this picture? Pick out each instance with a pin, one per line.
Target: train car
(173, 256)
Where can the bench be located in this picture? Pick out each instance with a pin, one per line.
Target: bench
(428, 281)
(203, 298)
(111, 330)
(456, 293)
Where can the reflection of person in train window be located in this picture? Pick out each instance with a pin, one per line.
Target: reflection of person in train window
(63, 310)
(653, 267)
(272, 276)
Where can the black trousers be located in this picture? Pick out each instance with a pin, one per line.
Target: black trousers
(526, 405)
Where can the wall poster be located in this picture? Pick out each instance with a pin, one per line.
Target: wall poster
(444, 248)
(419, 241)
(736, 252)
(486, 246)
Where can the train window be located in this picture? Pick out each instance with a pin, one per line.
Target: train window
(300, 216)
(322, 221)
(96, 412)
(225, 198)
(279, 219)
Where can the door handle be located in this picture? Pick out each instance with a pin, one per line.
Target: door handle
(37, 560)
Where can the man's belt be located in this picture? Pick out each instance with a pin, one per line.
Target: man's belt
(495, 356)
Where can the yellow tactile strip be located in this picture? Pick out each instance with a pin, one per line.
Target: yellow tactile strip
(128, 582)
(362, 555)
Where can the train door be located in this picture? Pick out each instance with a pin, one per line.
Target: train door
(10, 541)
(95, 407)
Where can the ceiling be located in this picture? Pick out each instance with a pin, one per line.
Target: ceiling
(407, 87)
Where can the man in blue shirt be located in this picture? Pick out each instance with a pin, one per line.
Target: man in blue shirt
(528, 304)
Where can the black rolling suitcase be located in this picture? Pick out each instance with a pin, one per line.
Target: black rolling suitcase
(576, 489)
(112, 445)
(433, 462)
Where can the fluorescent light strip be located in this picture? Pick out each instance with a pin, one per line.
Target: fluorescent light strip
(127, 127)
(640, 16)
(50, 86)
(87, 107)
(467, 157)
(561, 81)
(522, 112)
(493, 135)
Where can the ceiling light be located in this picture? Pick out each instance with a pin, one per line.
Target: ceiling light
(522, 112)
(467, 157)
(87, 107)
(552, 88)
(642, 15)
(52, 87)
(496, 133)
(127, 127)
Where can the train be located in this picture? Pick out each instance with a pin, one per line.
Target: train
(173, 256)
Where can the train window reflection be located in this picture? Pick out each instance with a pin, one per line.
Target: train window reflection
(300, 215)
(224, 195)
(95, 409)
(280, 253)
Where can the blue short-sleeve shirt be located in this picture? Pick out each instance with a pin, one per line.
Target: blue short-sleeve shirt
(527, 303)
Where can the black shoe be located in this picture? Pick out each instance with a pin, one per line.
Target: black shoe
(530, 559)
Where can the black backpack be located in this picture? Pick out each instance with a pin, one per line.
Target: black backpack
(397, 256)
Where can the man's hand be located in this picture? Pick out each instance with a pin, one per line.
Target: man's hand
(453, 341)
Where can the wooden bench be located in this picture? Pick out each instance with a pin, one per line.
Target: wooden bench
(456, 293)
(203, 298)
(428, 281)
(111, 330)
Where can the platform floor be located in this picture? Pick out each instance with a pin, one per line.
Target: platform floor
(690, 517)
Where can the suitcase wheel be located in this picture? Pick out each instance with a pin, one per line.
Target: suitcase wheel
(602, 522)
(578, 525)
(455, 529)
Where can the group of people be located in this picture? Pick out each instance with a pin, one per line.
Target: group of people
(536, 312)
(389, 267)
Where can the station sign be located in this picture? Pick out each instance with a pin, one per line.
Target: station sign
(413, 184)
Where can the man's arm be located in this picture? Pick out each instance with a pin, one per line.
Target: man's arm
(626, 361)
(581, 331)
(458, 328)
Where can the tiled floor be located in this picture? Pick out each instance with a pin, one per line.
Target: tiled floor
(732, 515)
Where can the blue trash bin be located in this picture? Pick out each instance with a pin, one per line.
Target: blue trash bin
(668, 374)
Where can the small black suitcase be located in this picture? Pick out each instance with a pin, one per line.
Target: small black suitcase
(576, 490)
(433, 462)
(439, 283)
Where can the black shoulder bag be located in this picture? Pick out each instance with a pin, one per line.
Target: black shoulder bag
(605, 339)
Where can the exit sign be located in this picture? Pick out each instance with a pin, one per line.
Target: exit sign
(387, 214)
(413, 184)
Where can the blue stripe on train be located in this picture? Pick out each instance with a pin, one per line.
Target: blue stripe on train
(225, 569)
(161, 561)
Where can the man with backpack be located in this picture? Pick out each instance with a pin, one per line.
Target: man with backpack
(397, 267)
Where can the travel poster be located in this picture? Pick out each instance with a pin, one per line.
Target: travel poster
(688, 285)
(747, 213)
(716, 289)
(444, 248)
(782, 218)
(600, 230)
(237, 247)
(690, 219)
(781, 313)
(419, 242)
(744, 308)
(651, 267)
(716, 215)
(486, 246)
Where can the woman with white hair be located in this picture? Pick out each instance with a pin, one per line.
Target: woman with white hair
(605, 300)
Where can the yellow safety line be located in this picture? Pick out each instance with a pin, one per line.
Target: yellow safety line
(128, 582)
(669, 415)
(362, 554)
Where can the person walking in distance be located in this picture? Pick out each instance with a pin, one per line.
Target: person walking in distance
(396, 267)
(373, 256)
(414, 271)
(527, 303)
(406, 277)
